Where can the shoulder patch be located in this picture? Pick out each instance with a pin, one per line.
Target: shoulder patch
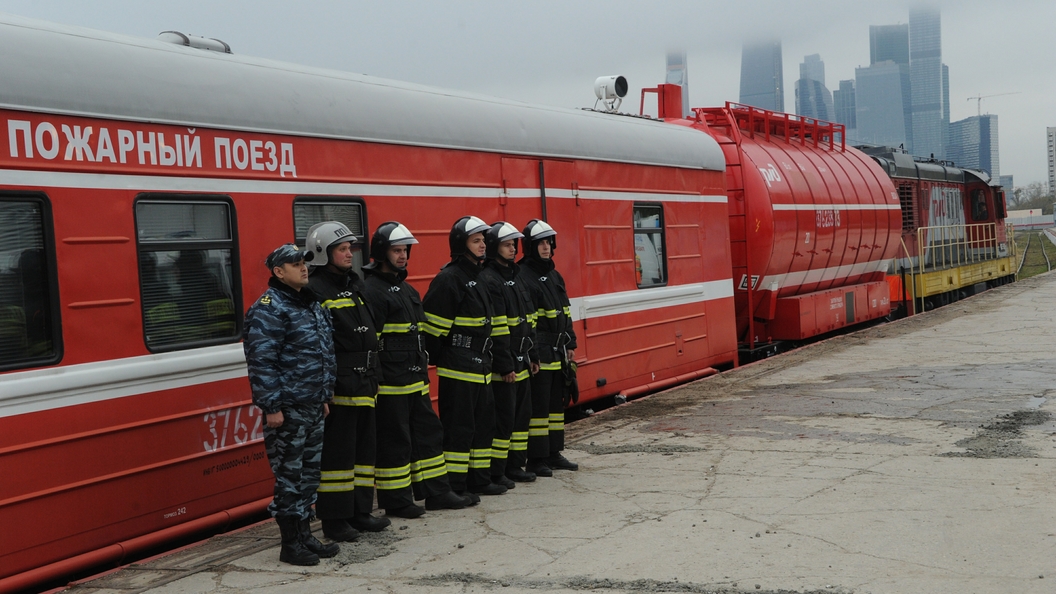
(266, 300)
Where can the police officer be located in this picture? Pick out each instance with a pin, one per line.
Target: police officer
(511, 353)
(346, 488)
(290, 355)
(410, 463)
(555, 345)
(459, 333)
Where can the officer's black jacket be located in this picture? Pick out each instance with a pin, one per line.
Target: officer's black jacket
(552, 309)
(513, 306)
(458, 326)
(398, 316)
(354, 335)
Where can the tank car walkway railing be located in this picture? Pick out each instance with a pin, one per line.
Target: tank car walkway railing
(951, 246)
(774, 124)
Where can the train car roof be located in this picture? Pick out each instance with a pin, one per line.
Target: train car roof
(75, 71)
(901, 164)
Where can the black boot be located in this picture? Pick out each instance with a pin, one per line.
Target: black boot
(339, 531)
(520, 476)
(447, 500)
(538, 467)
(502, 480)
(369, 523)
(558, 462)
(409, 512)
(489, 489)
(324, 551)
(293, 550)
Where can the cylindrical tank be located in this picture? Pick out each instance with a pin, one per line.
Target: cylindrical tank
(811, 222)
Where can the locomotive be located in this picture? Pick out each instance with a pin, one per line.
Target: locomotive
(143, 182)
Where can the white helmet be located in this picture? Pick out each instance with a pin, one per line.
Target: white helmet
(324, 235)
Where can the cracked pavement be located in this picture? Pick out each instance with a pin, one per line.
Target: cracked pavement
(918, 456)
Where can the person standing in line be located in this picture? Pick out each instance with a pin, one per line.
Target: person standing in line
(512, 364)
(346, 488)
(410, 463)
(290, 357)
(555, 345)
(459, 332)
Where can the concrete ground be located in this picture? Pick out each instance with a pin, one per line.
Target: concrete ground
(918, 456)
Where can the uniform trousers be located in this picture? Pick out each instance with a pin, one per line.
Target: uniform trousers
(467, 410)
(513, 413)
(295, 453)
(410, 461)
(546, 434)
(346, 486)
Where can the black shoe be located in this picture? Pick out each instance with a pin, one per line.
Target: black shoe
(293, 550)
(502, 480)
(447, 500)
(473, 499)
(324, 551)
(520, 476)
(559, 462)
(489, 489)
(339, 531)
(539, 468)
(410, 512)
(366, 523)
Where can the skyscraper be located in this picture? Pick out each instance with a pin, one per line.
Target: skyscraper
(1051, 134)
(762, 76)
(813, 99)
(889, 42)
(678, 75)
(843, 106)
(881, 116)
(928, 89)
(973, 144)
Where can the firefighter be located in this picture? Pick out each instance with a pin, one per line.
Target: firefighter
(511, 353)
(346, 488)
(290, 358)
(555, 345)
(459, 333)
(410, 462)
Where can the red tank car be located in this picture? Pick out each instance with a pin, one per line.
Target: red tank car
(814, 224)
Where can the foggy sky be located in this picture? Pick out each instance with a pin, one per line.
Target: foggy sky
(550, 52)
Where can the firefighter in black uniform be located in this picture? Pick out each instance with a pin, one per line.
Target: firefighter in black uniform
(410, 462)
(459, 334)
(511, 353)
(346, 487)
(555, 345)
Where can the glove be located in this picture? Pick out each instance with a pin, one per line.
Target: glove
(571, 383)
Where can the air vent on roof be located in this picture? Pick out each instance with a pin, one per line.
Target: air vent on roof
(206, 43)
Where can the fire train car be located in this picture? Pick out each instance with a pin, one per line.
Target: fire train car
(814, 224)
(954, 239)
(143, 182)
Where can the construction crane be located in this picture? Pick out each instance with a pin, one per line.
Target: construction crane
(979, 100)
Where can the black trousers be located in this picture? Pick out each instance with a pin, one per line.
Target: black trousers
(467, 410)
(546, 434)
(513, 413)
(410, 461)
(346, 485)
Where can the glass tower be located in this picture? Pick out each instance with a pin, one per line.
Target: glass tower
(762, 76)
(927, 85)
(973, 144)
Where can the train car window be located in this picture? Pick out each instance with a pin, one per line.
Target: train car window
(650, 263)
(979, 210)
(908, 203)
(188, 271)
(999, 205)
(29, 312)
(347, 210)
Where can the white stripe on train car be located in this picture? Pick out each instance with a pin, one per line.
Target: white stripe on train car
(806, 277)
(158, 183)
(71, 385)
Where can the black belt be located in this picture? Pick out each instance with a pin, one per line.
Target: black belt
(407, 342)
(554, 339)
(360, 361)
(478, 344)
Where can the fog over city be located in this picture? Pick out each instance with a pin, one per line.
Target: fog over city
(550, 52)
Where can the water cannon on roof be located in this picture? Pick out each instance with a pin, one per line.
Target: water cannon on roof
(610, 90)
(195, 41)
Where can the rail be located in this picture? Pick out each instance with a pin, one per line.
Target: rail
(949, 246)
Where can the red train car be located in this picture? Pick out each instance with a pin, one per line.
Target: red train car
(142, 183)
(814, 224)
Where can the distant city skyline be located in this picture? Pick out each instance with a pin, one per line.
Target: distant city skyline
(762, 75)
